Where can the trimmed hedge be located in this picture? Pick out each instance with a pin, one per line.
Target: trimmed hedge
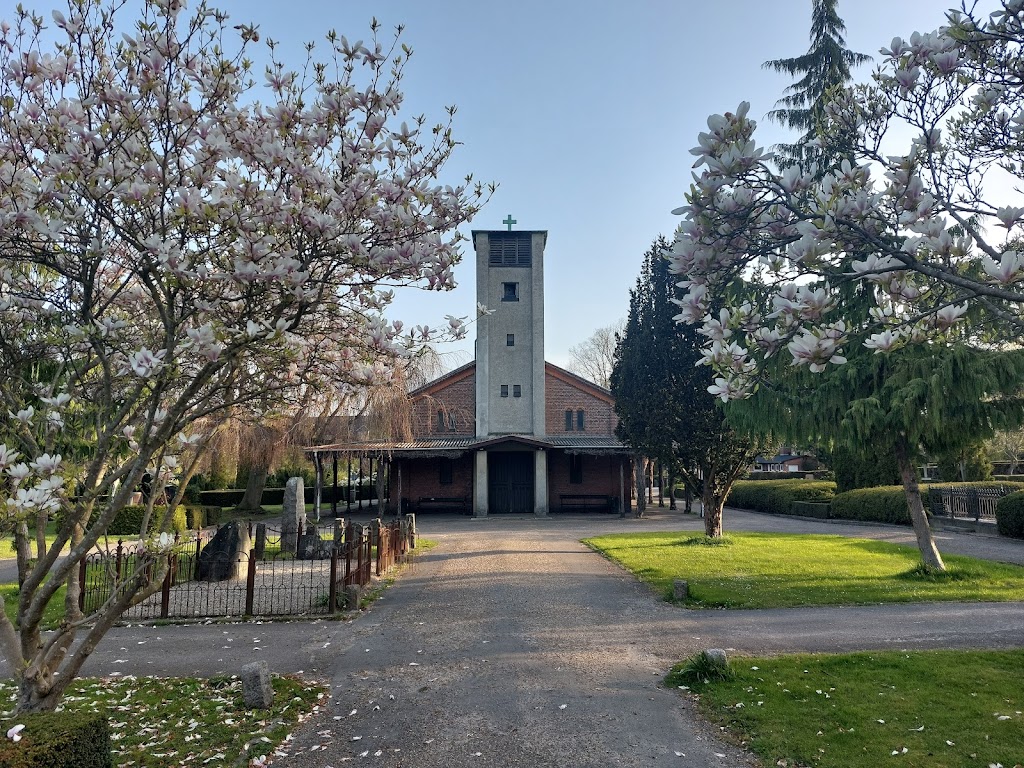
(776, 497)
(1010, 515)
(881, 504)
(819, 509)
(128, 521)
(58, 740)
(888, 503)
(816, 474)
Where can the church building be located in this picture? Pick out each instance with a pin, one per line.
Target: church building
(508, 432)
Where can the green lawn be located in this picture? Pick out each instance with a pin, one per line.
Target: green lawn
(51, 616)
(923, 709)
(185, 721)
(772, 570)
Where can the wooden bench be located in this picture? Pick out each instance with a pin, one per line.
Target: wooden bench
(588, 501)
(441, 503)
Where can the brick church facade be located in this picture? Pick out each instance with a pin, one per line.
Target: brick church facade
(508, 432)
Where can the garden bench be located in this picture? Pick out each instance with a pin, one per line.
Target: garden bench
(458, 503)
(587, 501)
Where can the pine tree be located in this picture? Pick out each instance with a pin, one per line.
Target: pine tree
(824, 67)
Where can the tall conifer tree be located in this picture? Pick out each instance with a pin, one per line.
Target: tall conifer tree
(661, 396)
(824, 67)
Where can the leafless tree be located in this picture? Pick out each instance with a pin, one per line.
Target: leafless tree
(593, 358)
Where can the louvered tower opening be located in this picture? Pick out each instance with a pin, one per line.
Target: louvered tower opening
(510, 249)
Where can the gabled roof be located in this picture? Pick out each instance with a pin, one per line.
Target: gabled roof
(578, 381)
(462, 372)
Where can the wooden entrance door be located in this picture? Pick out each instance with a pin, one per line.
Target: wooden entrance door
(510, 482)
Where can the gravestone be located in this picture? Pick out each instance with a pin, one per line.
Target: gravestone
(294, 511)
(312, 547)
(227, 554)
(257, 691)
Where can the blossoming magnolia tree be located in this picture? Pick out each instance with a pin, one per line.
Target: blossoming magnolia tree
(179, 237)
(919, 236)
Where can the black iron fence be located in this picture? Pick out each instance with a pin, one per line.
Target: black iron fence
(965, 503)
(264, 581)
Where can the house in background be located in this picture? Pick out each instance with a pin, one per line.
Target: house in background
(784, 461)
(508, 432)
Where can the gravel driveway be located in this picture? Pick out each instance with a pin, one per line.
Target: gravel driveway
(469, 659)
(509, 644)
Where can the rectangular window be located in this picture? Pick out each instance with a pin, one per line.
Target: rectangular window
(510, 340)
(445, 477)
(510, 291)
(568, 421)
(504, 390)
(517, 390)
(451, 422)
(579, 421)
(575, 468)
(440, 421)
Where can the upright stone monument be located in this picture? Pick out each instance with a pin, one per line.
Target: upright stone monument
(227, 554)
(293, 512)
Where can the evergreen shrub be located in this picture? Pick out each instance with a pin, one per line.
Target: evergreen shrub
(128, 521)
(881, 504)
(776, 497)
(58, 740)
(1010, 515)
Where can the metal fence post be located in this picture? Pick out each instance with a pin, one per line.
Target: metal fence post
(250, 585)
(81, 584)
(165, 591)
(332, 592)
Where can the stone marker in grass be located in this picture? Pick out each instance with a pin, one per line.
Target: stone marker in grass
(257, 691)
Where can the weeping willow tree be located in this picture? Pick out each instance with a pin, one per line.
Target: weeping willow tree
(919, 399)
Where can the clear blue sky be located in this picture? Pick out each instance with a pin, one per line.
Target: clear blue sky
(584, 112)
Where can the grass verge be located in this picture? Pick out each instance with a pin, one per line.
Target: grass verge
(774, 570)
(934, 709)
(186, 721)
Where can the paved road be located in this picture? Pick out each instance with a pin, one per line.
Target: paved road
(486, 637)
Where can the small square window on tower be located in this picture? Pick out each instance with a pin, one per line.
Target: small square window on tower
(504, 390)
(510, 291)
(517, 390)
(510, 340)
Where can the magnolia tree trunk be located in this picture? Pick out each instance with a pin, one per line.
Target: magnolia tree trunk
(640, 474)
(922, 530)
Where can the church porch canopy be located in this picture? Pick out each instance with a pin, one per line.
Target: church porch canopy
(453, 447)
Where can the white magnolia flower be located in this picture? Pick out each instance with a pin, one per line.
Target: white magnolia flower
(1007, 269)
(1009, 215)
(19, 472)
(145, 363)
(46, 464)
(24, 415)
(7, 456)
(882, 342)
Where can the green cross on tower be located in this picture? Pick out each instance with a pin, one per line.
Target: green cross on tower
(510, 221)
